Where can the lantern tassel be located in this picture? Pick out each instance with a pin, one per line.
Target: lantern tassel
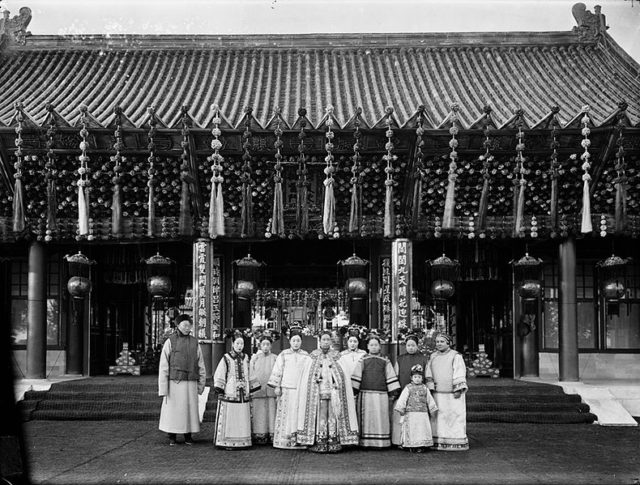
(389, 229)
(586, 209)
(553, 203)
(355, 214)
(484, 204)
(277, 217)
(519, 226)
(151, 217)
(18, 207)
(52, 206)
(185, 223)
(247, 211)
(83, 212)
(621, 206)
(449, 203)
(116, 211)
(329, 208)
(302, 208)
(216, 211)
(416, 205)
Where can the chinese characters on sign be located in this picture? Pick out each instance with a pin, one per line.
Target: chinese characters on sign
(385, 292)
(207, 292)
(401, 289)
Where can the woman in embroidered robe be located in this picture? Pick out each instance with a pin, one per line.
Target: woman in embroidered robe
(263, 401)
(414, 406)
(284, 380)
(326, 413)
(350, 357)
(375, 381)
(233, 383)
(447, 379)
(403, 366)
(181, 377)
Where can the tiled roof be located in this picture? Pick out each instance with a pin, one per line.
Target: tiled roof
(507, 71)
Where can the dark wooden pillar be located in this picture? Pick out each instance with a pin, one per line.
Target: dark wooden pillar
(37, 312)
(568, 312)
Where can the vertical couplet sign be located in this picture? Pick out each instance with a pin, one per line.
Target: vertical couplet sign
(401, 287)
(206, 292)
(385, 292)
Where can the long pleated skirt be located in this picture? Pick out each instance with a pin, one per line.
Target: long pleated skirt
(449, 423)
(374, 419)
(263, 419)
(233, 424)
(286, 422)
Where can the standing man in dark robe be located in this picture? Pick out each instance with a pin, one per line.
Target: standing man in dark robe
(181, 378)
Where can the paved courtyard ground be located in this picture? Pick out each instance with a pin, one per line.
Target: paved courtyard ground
(86, 452)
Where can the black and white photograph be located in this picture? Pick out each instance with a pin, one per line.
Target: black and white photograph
(319, 242)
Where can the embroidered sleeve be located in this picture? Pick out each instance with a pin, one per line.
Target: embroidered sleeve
(220, 375)
(401, 403)
(459, 374)
(276, 373)
(254, 383)
(163, 369)
(393, 384)
(356, 377)
(429, 375)
(431, 403)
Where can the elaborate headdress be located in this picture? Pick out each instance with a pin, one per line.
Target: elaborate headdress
(358, 331)
(446, 336)
(374, 335)
(417, 369)
(294, 330)
(236, 333)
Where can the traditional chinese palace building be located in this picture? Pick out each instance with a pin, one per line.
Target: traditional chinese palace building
(296, 152)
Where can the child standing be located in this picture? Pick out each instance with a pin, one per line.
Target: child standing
(414, 406)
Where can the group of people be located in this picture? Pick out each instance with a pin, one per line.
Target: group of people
(322, 400)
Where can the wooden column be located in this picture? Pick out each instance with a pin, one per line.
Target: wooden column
(75, 337)
(568, 312)
(37, 312)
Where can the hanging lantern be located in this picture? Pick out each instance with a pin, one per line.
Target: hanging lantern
(528, 280)
(355, 272)
(443, 274)
(79, 285)
(247, 276)
(159, 276)
(612, 275)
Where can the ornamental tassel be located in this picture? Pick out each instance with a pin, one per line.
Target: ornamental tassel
(621, 179)
(553, 203)
(277, 216)
(519, 186)
(83, 181)
(355, 212)
(185, 221)
(586, 225)
(246, 216)
(486, 178)
(151, 172)
(419, 173)
(302, 205)
(389, 216)
(19, 220)
(116, 211)
(116, 200)
(520, 208)
(553, 172)
(151, 215)
(450, 199)
(50, 166)
(329, 206)
(52, 206)
(83, 211)
(216, 202)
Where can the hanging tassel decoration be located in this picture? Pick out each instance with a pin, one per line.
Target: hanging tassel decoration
(19, 217)
(84, 181)
(486, 160)
(389, 216)
(277, 216)
(522, 183)
(151, 172)
(246, 217)
(117, 159)
(586, 225)
(185, 222)
(50, 179)
(621, 180)
(554, 174)
(355, 213)
(450, 199)
(216, 201)
(302, 184)
(329, 206)
(419, 173)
